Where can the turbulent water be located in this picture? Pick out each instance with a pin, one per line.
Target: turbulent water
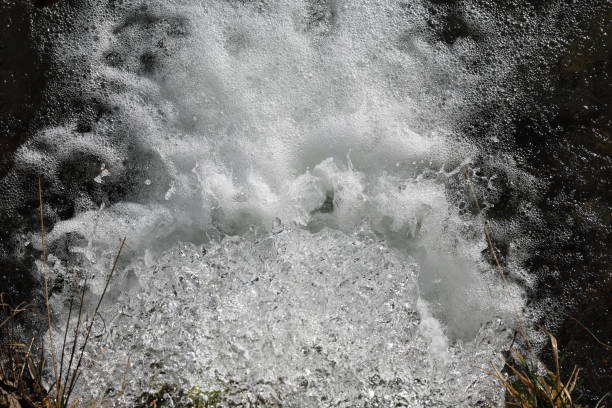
(297, 197)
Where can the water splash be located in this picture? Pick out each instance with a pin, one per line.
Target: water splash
(295, 318)
(334, 119)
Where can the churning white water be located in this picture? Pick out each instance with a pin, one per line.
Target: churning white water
(292, 238)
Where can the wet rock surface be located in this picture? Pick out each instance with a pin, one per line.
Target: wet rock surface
(566, 137)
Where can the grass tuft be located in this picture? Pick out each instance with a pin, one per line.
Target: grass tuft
(23, 367)
(531, 386)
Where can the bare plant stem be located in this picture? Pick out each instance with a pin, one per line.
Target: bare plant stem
(500, 269)
(601, 343)
(76, 373)
(25, 361)
(76, 336)
(45, 273)
(58, 380)
(22, 307)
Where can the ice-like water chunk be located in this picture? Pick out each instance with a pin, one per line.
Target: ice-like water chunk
(325, 319)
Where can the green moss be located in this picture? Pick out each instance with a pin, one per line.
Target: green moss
(173, 396)
(205, 399)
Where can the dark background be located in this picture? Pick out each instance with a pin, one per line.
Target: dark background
(561, 131)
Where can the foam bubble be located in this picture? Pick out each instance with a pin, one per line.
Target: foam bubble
(216, 118)
(293, 317)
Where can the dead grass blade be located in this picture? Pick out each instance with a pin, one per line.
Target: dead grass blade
(76, 372)
(533, 390)
(601, 343)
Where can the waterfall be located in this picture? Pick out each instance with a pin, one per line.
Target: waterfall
(302, 205)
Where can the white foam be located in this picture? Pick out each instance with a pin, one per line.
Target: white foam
(300, 318)
(261, 116)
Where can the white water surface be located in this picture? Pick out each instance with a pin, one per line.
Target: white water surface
(291, 235)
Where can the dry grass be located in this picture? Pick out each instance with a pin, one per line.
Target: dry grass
(23, 366)
(531, 386)
(22, 371)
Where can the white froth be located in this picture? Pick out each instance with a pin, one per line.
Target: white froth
(258, 115)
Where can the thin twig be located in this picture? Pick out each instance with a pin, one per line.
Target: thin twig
(25, 361)
(45, 271)
(88, 333)
(22, 307)
(601, 343)
(75, 340)
(58, 379)
(42, 221)
(602, 399)
(500, 269)
(125, 375)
